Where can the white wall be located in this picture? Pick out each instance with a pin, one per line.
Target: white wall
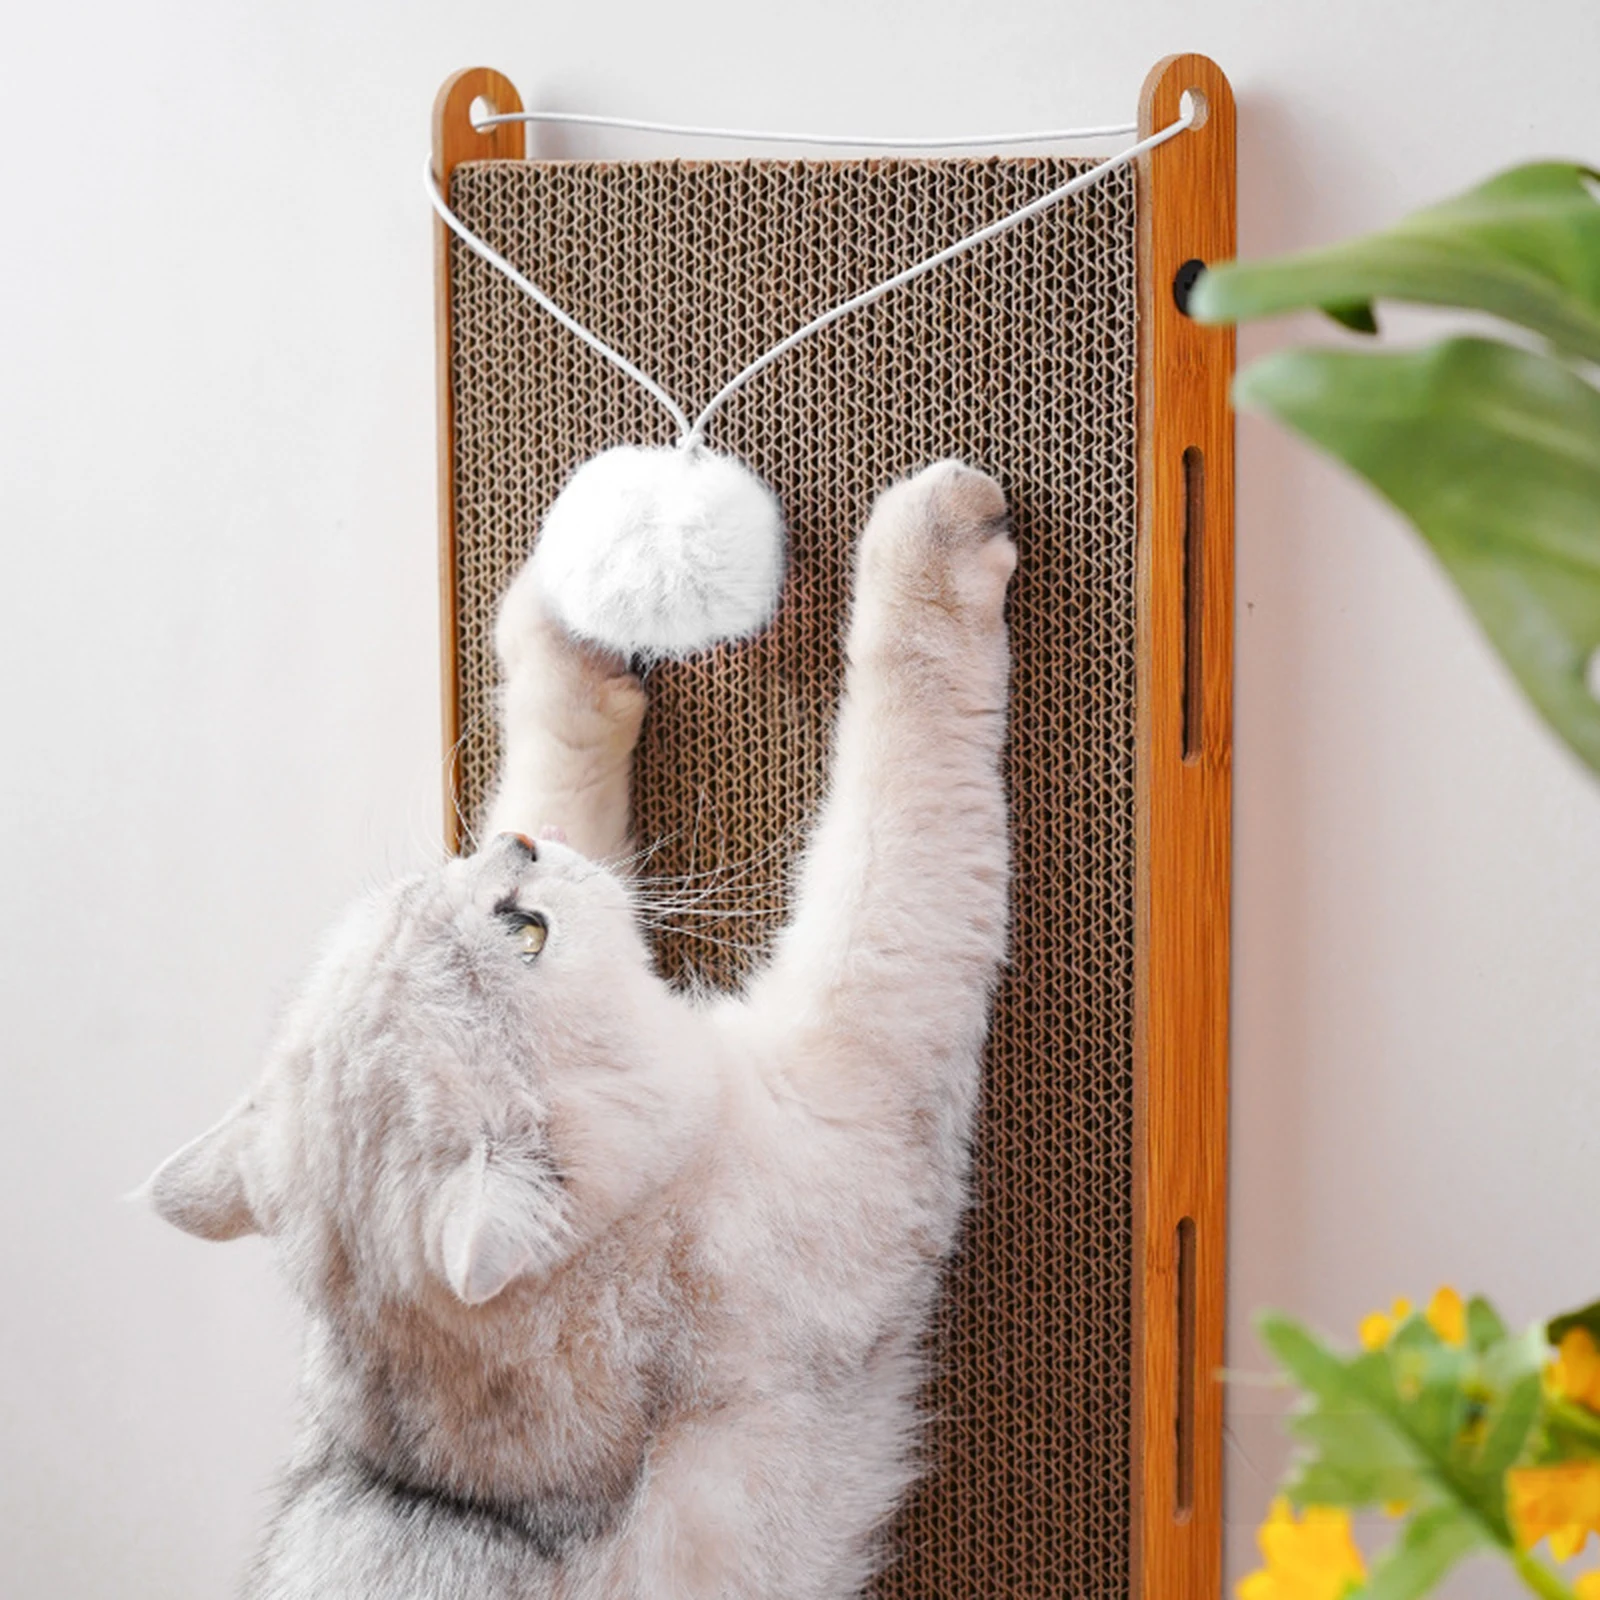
(217, 627)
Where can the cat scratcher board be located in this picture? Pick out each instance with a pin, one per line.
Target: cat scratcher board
(1076, 1447)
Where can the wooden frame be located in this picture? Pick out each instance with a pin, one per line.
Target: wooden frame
(1185, 628)
(1184, 805)
(456, 140)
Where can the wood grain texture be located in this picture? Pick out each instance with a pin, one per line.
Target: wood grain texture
(456, 140)
(1184, 804)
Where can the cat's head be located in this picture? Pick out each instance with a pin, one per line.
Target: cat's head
(481, 1073)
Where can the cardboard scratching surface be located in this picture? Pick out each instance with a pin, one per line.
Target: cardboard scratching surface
(1019, 358)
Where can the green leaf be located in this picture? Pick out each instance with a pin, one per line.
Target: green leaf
(1571, 1432)
(1494, 453)
(1539, 1579)
(1506, 1428)
(1484, 1326)
(1303, 1356)
(1436, 1404)
(1512, 1359)
(1430, 1544)
(1430, 1375)
(1524, 246)
(1358, 318)
(1585, 1317)
(1354, 1458)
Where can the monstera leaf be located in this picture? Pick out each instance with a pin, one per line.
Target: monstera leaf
(1494, 454)
(1492, 450)
(1524, 246)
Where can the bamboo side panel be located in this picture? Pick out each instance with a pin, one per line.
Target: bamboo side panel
(1185, 798)
(455, 140)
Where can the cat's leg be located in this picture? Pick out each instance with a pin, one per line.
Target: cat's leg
(882, 980)
(569, 719)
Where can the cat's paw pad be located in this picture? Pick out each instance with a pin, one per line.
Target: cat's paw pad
(944, 536)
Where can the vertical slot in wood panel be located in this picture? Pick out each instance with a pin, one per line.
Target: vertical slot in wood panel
(1183, 1431)
(1194, 569)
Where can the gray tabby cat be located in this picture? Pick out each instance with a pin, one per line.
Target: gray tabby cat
(615, 1292)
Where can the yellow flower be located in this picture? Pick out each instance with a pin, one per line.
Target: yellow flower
(1587, 1586)
(1567, 1542)
(1447, 1315)
(1575, 1373)
(1313, 1559)
(1377, 1328)
(1561, 1503)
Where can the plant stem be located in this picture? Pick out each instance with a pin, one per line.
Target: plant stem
(1539, 1578)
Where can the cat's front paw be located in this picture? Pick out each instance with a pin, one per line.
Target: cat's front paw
(525, 628)
(942, 539)
(590, 694)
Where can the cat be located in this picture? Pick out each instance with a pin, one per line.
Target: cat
(614, 1291)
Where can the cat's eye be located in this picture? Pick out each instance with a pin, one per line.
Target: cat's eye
(528, 928)
(531, 937)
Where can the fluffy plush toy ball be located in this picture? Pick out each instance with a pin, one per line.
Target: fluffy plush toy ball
(660, 553)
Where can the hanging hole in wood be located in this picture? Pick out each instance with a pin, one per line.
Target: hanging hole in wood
(1183, 282)
(1192, 103)
(482, 106)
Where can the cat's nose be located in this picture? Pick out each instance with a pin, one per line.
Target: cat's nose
(522, 842)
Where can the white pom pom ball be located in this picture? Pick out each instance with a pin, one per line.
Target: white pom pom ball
(658, 553)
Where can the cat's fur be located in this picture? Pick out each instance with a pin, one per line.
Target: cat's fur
(613, 1292)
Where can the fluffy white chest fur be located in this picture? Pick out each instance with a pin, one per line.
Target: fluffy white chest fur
(613, 1292)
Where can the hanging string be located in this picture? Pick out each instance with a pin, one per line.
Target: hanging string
(478, 247)
(691, 433)
(846, 141)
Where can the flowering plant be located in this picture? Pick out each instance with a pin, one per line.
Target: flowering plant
(1472, 1437)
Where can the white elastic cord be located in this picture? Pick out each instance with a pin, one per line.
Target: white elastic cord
(691, 432)
(983, 235)
(849, 141)
(539, 297)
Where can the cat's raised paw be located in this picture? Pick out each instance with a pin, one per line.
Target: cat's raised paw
(943, 537)
(588, 695)
(958, 500)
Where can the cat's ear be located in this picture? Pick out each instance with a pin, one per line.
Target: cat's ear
(498, 1217)
(201, 1189)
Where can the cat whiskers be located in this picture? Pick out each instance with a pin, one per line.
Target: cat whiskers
(452, 768)
(728, 890)
(716, 913)
(755, 900)
(744, 895)
(749, 951)
(622, 866)
(727, 871)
